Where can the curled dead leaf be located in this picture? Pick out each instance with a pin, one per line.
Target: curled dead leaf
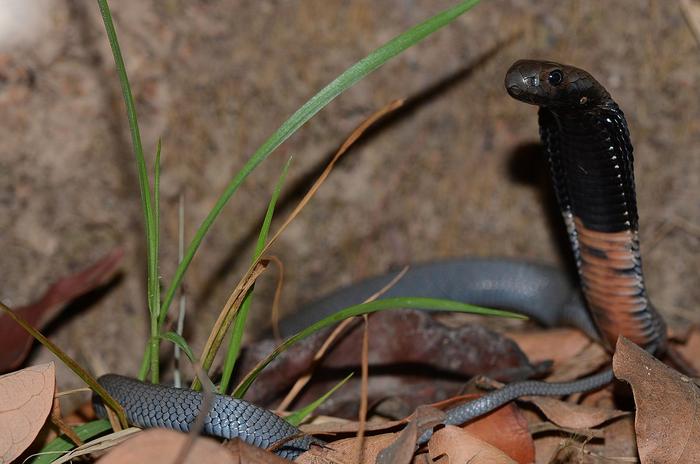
(507, 430)
(160, 446)
(453, 445)
(619, 438)
(588, 360)
(667, 422)
(345, 450)
(334, 426)
(555, 344)
(402, 449)
(25, 402)
(572, 415)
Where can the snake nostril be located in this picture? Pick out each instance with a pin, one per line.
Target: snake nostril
(532, 81)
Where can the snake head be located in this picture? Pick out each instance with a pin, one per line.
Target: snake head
(554, 85)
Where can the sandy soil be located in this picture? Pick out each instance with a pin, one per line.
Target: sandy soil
(455, 174)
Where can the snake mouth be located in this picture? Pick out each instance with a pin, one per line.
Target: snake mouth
(514, 90)
(520, 92)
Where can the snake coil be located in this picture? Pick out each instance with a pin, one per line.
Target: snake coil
(587, 144)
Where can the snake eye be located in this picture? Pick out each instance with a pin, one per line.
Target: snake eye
(555, 77)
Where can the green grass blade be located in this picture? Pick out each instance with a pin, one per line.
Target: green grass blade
(156, 206)
(149, 217)
(153, 266)
(234, 346)
(367, 308)
(347, 79)
(145, 362)
(179, 340)
(180, 327)
(298, 417)
(153, 274)
(60, 445)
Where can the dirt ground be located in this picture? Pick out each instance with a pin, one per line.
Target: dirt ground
(456, 173)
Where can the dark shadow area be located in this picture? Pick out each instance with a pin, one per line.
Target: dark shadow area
(527, 165)
(411, 370)
(296, 191)
(425, 370)
(411, 383)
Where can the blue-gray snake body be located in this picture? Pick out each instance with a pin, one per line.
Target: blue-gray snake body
(587, 144)
(149, 405)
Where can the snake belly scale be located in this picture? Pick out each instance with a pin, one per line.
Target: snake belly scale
(587, 144)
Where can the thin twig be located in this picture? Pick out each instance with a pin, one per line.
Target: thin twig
(177, 380)
(276, 300)
(207, 402)
(362, 419)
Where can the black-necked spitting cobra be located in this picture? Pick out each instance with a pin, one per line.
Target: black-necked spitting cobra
(586, 141)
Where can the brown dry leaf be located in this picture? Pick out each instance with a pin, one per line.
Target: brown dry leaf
(620, 439)
(506, 429)
(555, 344)
(402, 449)
(249, 454)
(398, 447)
(15, 342)
(603, 398)
(26, 397)
(560, 448)
(590, 359)
(460, 447)
(545, 427)
(579, 446)
(667, 423)
(613, 443)
(422, 458)
(160, 446)
(345, 450)
(572, 415)
(335, 426)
